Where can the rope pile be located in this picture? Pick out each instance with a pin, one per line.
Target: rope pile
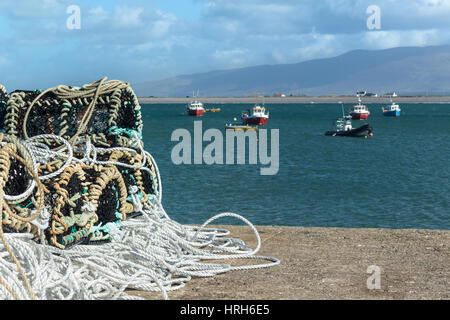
(80, 201)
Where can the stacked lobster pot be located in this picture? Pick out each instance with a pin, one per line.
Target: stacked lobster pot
(3, 103)
(72, 162)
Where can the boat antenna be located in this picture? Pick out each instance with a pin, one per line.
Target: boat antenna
(342, 105)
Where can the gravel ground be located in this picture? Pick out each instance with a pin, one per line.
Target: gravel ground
(331, 264)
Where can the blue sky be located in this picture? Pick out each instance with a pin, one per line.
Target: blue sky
(145, 40)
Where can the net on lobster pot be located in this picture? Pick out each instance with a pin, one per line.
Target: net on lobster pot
(129, 114)
(72, 220)
(88, 198)
(107, 198)
(128, 164)
(3, 104)
(69, 112)
(23, 198)
(150, 182)
(44, 118)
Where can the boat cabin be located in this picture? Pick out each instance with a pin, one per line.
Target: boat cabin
(393, 107)
(344, 124)
(258, 111)
(196, 105)
(360, 108)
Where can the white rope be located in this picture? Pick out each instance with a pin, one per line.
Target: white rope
(149, 253)
(37, 151)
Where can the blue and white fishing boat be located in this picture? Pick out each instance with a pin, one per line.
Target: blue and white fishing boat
(392, 111)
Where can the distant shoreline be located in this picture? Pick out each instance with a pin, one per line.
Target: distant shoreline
(298, 100)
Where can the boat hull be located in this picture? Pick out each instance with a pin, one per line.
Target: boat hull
(359, 116)
(363, 131)
(196, 113)
(392, 113)
(255, 121)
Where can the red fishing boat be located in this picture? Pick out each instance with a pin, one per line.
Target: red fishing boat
(196, 109)
(256, 116)
(359, 112)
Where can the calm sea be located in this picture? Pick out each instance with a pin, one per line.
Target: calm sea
(397, 179)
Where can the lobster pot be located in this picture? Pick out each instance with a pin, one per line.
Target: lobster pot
(108, 112)
(3, 103)
(23, 196)
(73, 162)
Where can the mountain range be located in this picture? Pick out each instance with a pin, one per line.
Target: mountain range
(404, 70)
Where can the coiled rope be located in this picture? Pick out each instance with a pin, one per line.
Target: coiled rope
(88, 222)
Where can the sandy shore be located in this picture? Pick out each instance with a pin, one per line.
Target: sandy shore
(330, 263)
(299, 100)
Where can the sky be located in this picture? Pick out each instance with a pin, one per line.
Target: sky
(145, 40)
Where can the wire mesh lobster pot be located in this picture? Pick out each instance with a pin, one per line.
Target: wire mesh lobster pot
(3, 103)
(84, 187)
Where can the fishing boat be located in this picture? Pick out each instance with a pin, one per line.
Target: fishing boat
(392, 110)
(359, 111)
(196, 108)
(344, 128)
(256, 116)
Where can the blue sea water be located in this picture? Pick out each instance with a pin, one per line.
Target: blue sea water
(397, 179)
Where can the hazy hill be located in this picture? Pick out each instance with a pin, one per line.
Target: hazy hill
(403, 70)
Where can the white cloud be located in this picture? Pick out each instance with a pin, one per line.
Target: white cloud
(136, 35)
(127, 17)
(405, 38)
(232, 58)
(227, 54)
(432, 7)
(162, 25)
(98, 14)
(32, 9)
